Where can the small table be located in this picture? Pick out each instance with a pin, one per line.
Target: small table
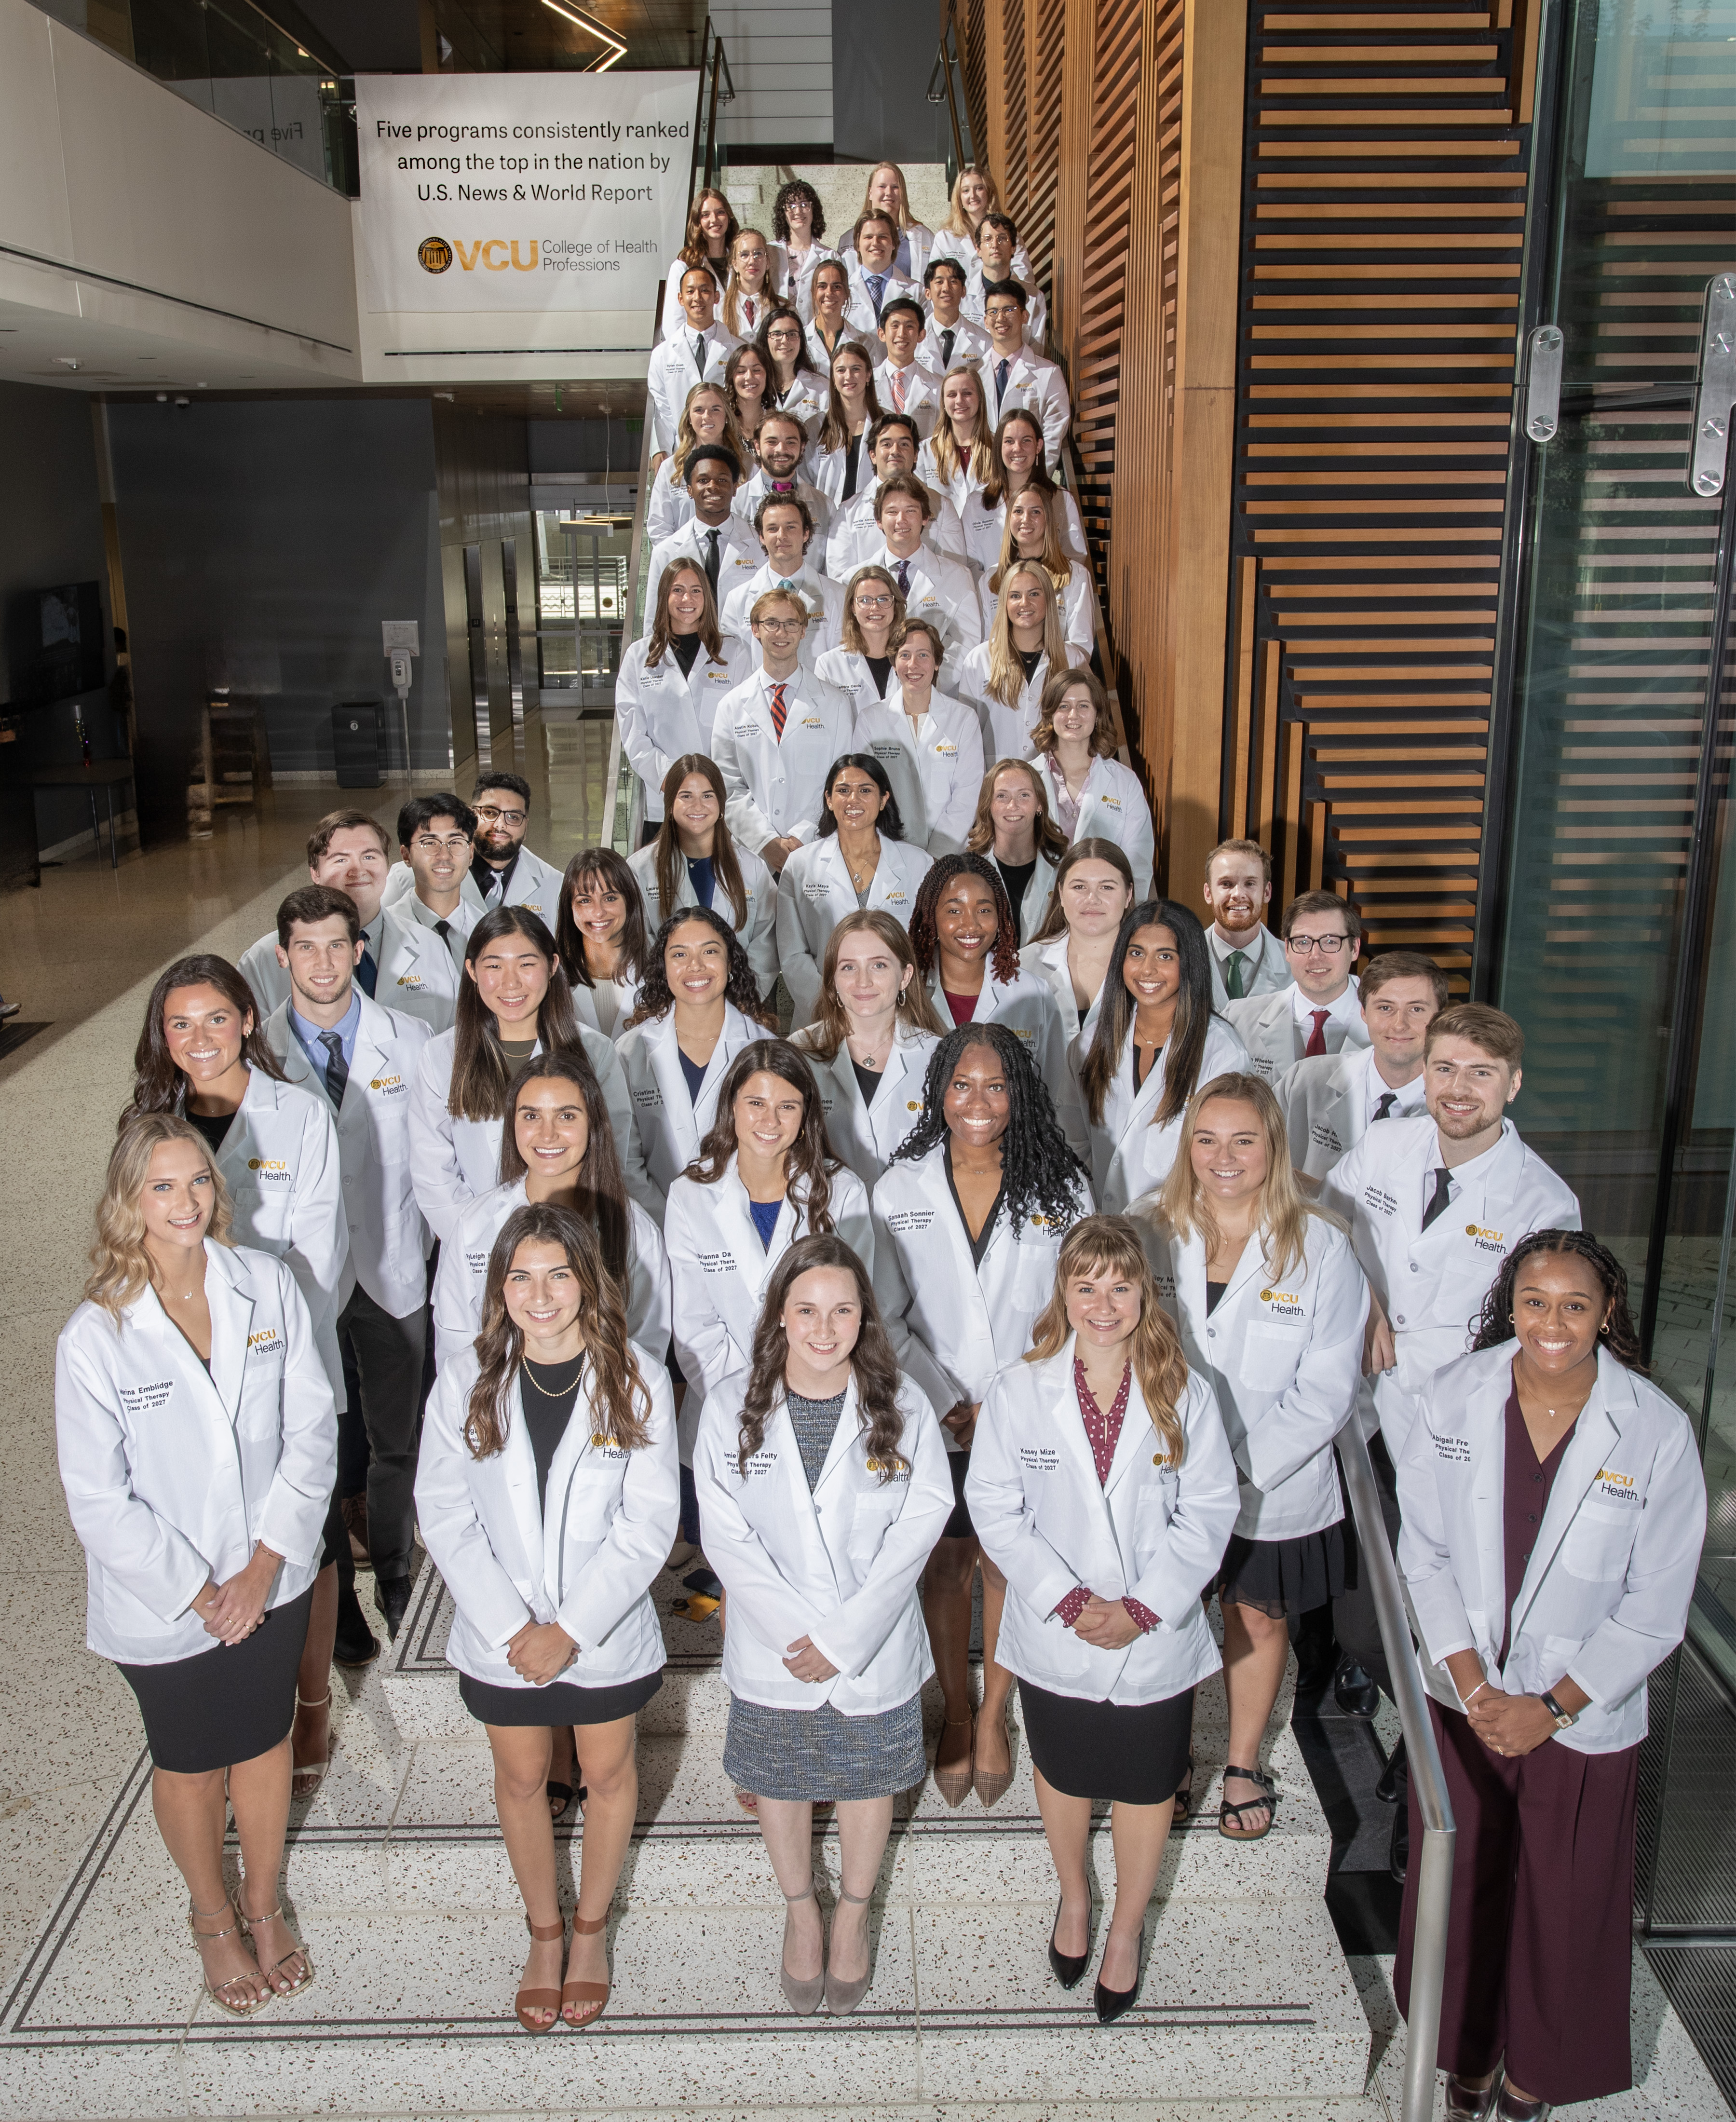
(107, 774)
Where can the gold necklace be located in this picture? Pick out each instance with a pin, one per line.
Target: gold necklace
(562, 1392)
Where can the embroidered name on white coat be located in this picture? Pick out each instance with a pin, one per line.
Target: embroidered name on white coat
(718, 1263)
(147, 1399)
(1382, 1203)
(1455, 1451)
(1040, 1458)
(910, 1219)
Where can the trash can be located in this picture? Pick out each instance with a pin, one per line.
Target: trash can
(358, 743)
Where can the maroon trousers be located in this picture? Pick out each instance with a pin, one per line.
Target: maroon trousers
(1540, 1944)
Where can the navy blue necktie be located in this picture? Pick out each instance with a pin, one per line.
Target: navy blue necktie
(337, 1068)
(1001, 370)
(876, 283)
(368, 973)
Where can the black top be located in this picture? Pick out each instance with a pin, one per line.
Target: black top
(213, 1126)
(879, 669)
(1016, 876)
(518, 1051)
(979, 1244)
(867, 1080)
(1030, 660)
(686, 648)
(546, 1393)
(852, 457)
(694, 1071)
(1213, 1296)
(1145, 1059)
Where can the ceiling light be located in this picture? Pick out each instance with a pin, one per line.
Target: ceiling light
(65, 360)
(617, 50)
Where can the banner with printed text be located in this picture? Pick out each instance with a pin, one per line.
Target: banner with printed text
(497, 195)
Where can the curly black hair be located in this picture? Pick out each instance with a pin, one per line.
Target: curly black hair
(1037, 1168)
(925, 945)
(1617, 1334)
(655, 997)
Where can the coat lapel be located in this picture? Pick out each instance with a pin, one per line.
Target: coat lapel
(843, 1438)
(230, 1295)
(1137, 1431)
(1594, 1435)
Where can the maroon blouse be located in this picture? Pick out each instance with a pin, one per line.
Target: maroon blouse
(1103, 1431)
(1525, 1492)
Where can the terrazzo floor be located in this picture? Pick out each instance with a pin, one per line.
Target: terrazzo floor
(397, 1874)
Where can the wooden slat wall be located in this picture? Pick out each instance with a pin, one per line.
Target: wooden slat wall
(1383, 222)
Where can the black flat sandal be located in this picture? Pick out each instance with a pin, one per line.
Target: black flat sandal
(1183, 1798)
(561, 1797)
(1267, 1802)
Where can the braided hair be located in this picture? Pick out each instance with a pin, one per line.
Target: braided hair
(925, 944)
(1037, 1168)
(1617, 1334)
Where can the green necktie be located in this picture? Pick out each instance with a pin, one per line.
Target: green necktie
(1233, 975)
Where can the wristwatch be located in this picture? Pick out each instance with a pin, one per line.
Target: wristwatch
(1562, 1720)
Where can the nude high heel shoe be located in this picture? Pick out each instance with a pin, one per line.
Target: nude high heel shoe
(803, 1997)
(841, 1996)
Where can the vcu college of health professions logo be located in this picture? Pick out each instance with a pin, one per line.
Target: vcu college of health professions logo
(434, 253)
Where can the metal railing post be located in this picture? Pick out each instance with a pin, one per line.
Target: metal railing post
(1428, 1779)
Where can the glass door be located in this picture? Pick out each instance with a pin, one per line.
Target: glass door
(583, 576)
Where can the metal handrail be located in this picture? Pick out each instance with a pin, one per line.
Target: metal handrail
(944, 62)
(1435, 1860)
(627, 808)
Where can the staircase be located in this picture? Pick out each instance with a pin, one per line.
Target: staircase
(398, 1879)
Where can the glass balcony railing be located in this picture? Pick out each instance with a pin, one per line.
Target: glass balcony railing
(242, 63)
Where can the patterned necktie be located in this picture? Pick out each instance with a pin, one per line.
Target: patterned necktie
(1383, 1111)
(779, 712)
(1438, 1199)
(1232, 965)
(337, 1068)
(711, 561)
(895, 377)
(946, 343)
(1317, 1037)
(699, 352)
(1002, 367)
(903, 573)
(876, 283)
(368, 973)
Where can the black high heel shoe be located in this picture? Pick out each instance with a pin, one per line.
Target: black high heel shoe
(1111, 2003)
(1068, 1966)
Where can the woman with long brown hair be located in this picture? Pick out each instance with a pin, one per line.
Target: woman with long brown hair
(929, 742)
(515, 1002)
(829, 327)
(861, 664)
(673, 680)
(1003, 675)
(823, 1486)
(707, 419)
(552, 1621)
(600, 937)
(1014, 829)
(795, 386)
(1156, 1040)
(696, 861)
(1093, 794)
(874, 1029)
(841, 465)
(1016, 462)
(1235, 1242)
(1105, 1431)
(956, 459)
(748, 381)
(711, 229)
(198, 1449)
(1074, 949)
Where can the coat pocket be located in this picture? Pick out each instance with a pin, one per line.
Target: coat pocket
(1599, 1541)
(1269, 1356)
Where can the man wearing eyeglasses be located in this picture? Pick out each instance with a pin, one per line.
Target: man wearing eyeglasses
(422, 941)
(1014, 375)
(777, 734)
(1320, 1012)
(503, 870)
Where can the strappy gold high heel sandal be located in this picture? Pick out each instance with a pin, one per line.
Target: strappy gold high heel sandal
(297, 1950)
(246, 2007)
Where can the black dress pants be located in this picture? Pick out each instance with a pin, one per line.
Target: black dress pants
(388, 1354)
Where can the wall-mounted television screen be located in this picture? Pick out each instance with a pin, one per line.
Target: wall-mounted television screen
(54, 644)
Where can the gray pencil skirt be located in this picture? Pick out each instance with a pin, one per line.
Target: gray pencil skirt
(814, 1755)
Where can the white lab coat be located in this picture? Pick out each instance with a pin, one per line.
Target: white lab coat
(758, 935)
(670, 506)
(854, 539)
(820, 354)
(388, 1239)
(739, 554)
(814, 894)
(847, 669)
(1037, 310)
(1033, 910)
(754, 489)
(457, 1159)
(1026, 1006)
(664, 716)
(1267, 1026)
(534, 885)
(969, 344)
(419, 974)
(1265, 974)
(1325, 1100)
(258, 965)
(942, 590)
(1152, 1531)
(1033, 384)
(1605, 1596)
(954, 1323)
(463, 1274)
(1431, 1283)
(172, 1477)
(672, 372)
(984, 529)
(675, 317)
(1007, 732)
(922, 393)
(670, 1124)
(282, 1166)
(776, 786)
(935, 765)
(1050, 959)
(840, 1565)
(958, 488)
(861, 317)
(719, 1270)
(1130, 1153)
(822, 596)
(586, 1558)
(795, 276)
(604, 1005)
(1113, 807)
(866, 1136)
(1284, 1356)
(807, 401)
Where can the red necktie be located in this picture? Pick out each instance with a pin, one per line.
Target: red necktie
(1317, 1037)
(777, 730)
(895, 376)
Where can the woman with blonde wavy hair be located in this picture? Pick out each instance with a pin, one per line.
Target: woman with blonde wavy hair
(958, 460)
(708, 416)
(198, 1448)
(1026, 646)
(1104, 1448)
(1033, 532)
(547, 1494)
(1270, 1303)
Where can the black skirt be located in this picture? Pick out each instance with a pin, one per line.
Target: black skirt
(229, 1703)
(1278, 1578)
(1130, 1753)
(958, 1525)
(559, 1703)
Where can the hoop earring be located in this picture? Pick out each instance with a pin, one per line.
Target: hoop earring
(1605, 1328)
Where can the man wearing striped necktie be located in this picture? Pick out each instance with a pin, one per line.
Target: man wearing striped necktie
(777, 734)
(902, 383)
